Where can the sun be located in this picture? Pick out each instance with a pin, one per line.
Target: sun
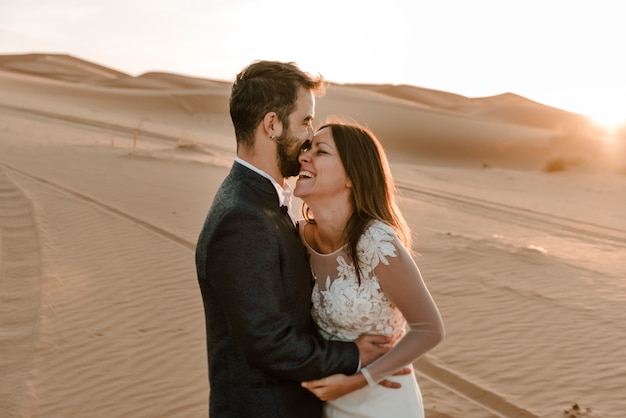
(605, 107)
(606, 115)
(611, 131)
(607, 111)
(610, 120)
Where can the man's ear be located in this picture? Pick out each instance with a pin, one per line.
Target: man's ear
(272, 126)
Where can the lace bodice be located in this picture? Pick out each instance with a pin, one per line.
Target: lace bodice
(391, 294)
(342, 308)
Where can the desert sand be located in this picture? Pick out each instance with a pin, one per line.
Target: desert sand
(517, 210)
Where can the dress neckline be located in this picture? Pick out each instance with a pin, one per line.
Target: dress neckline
(311, 249)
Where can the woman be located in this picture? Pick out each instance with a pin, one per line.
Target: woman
(366, 281)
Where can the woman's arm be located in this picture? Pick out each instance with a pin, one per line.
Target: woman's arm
(403, 285)
(332, 387)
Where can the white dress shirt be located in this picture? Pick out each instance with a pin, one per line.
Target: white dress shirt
(284, 192)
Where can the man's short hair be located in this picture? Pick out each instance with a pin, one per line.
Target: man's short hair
(267, 86)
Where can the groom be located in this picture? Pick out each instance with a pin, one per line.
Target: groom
(252, 268)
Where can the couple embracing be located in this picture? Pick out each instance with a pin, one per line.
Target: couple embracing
(322, 317)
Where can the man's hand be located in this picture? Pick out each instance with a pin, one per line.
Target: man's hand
(395, 385)
(371, 347)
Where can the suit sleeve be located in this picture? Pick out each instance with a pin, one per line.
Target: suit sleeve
(246, 277)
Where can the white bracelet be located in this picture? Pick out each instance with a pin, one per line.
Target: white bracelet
(368, 377)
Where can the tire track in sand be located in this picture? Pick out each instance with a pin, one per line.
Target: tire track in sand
(434, 370)
(521, 216)
(20, 278)
(85, 198)
(121, 331)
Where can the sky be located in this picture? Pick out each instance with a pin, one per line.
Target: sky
(568, 54)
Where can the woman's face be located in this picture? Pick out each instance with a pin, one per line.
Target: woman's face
(321, 172)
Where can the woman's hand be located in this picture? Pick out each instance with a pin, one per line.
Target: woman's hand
(332, 387)
(335, 386)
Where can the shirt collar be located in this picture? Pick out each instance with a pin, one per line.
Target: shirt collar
(284, 192)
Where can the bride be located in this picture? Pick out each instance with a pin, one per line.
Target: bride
(366, 281)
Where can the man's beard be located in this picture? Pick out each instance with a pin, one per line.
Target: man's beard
(287, 151)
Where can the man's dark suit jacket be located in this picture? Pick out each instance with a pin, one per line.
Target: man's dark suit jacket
(256, 286)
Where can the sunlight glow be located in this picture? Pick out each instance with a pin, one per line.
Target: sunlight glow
(454, 46)
(611, 119)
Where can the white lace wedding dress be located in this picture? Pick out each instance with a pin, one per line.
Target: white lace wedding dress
(343, 310)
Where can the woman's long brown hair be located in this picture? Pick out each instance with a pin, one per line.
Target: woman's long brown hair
(373, 189)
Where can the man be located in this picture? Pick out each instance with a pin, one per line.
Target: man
(252, 267)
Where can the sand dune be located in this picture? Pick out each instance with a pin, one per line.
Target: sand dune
(105, 179)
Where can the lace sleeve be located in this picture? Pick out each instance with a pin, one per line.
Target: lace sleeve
(403, 285)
